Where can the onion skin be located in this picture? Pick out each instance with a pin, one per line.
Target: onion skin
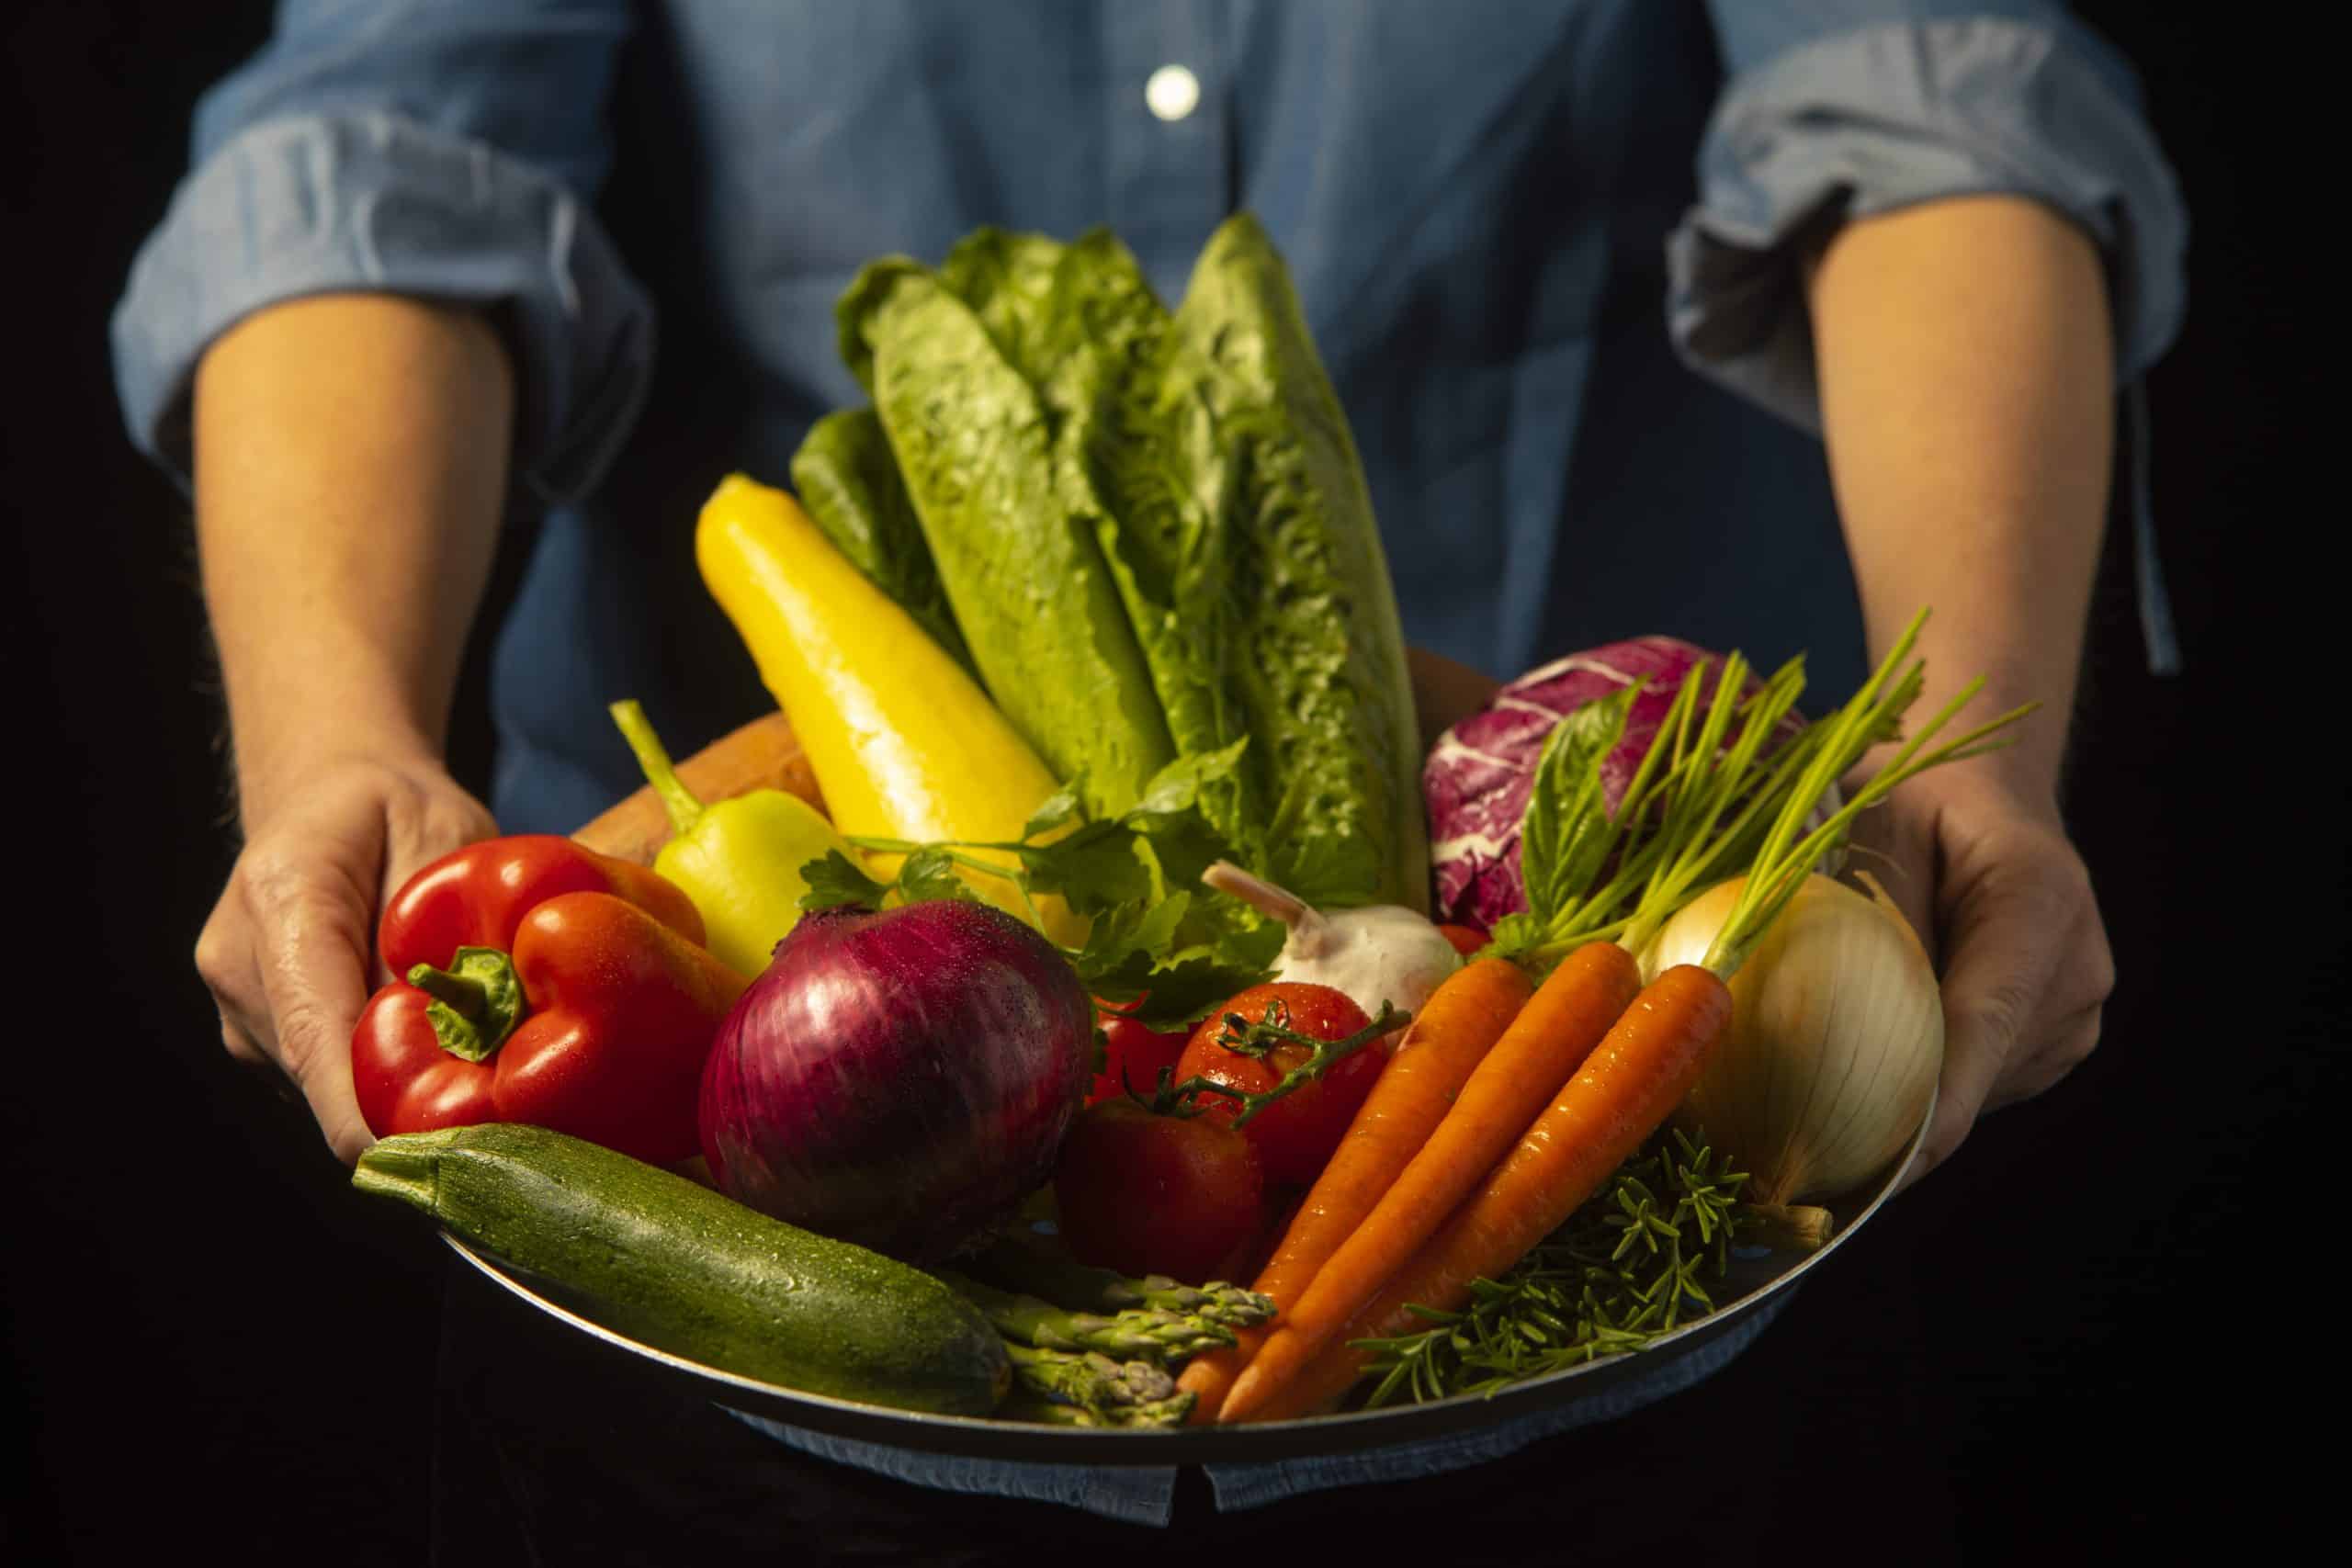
(899, 1080)
(1836, 1041)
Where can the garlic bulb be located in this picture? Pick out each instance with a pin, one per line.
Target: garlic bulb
(1384, 953)
(1835, 1040)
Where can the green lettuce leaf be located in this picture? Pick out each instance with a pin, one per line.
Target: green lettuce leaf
(1015, 546)
(1312, 656)
(1152, 531)
(1009, 280)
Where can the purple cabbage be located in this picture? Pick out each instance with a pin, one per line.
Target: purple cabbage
(1480, 773)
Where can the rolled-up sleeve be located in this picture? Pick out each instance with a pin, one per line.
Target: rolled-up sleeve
(430, 149)
(1844, 108)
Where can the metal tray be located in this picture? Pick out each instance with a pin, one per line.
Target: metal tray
(1753, 1281)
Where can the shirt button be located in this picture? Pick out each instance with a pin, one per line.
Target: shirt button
(1172, 92)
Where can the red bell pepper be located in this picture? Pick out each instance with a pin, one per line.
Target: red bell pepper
(542, 982)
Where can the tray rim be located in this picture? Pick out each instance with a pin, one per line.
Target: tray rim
(988, 1439)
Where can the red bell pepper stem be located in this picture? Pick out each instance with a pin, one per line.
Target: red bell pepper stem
(463, 993)
(477, 1002)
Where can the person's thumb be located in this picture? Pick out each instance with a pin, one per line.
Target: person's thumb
(1998, 957)
(313, 967)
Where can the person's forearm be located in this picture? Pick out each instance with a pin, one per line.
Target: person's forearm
(1966, 378)
(350, 474)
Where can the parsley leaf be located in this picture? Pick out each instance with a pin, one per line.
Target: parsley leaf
(836, 880)
(1092, 870)
(1135, 877)
(930, 872)
(1181, 990)
(1066, 805)
(1134, 952)
(1173, 818)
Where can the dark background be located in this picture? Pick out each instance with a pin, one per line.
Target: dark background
(2086, 1331)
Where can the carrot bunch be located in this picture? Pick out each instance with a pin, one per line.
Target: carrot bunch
(1633, 1070)
(1505, 1109)
(1459, 1025)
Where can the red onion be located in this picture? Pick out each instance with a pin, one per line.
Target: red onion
(1481, 771)
(901, 1079)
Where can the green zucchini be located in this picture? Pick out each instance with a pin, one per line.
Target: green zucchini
(685, 1269)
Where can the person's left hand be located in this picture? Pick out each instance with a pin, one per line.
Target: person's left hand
(1984, 870)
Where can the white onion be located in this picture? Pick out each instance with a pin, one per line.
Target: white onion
(1835, 1040)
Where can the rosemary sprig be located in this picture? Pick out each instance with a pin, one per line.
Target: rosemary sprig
(1632, 1263)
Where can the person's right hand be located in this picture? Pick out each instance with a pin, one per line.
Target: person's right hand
(288, 951)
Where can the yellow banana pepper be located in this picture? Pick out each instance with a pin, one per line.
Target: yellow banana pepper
(738, 861)
(904, 744)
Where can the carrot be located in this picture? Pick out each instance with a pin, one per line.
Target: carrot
(1632, 1081)
(1458, 1026)
(1553, 1032)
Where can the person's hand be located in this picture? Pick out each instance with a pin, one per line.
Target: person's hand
(1984, 870)
(288, 950)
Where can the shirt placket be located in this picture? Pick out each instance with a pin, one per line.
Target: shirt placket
(1166, 130)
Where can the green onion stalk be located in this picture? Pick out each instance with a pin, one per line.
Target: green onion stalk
(1698, 811)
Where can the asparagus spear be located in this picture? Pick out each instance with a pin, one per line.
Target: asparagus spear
(1036, 1409)
(1149, 1333)
(1111, 1393)
(1168, 1411)
(1025, 1267)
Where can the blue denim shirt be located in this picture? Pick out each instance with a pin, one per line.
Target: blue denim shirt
(1545, 251)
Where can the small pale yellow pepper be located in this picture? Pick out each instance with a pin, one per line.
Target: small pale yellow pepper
(738, 861)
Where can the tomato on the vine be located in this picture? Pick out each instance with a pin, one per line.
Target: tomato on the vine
(1132, 1055)
(1468, 941)
(1293, 1136)
(1148, 1194)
